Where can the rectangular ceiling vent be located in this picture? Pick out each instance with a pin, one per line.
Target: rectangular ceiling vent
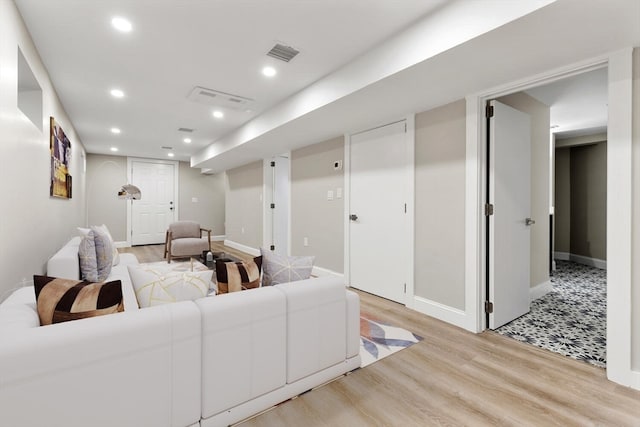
(282, 52)
(215, 98)
(185, 130)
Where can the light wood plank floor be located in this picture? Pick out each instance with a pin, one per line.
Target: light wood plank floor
(455, 378)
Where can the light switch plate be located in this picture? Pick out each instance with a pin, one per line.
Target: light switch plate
(330, 195)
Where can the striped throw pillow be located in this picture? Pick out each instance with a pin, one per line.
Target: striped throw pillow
(60, 300)
(236, 276)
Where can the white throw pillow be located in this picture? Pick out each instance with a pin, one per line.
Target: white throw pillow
(155, 286)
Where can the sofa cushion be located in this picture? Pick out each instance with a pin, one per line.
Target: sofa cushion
(88, 260)
(156, 286)
(182, 229)
(278, 268)
(59, 300)
(236, 276)
(104, 252)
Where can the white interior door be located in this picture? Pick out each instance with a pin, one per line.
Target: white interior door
(280, 212)
(152, 214)
(378, 227)
(509, 231)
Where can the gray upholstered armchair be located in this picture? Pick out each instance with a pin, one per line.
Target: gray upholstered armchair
(184, 238)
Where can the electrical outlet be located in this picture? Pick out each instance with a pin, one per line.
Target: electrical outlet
(339, 193)
(242, 230)
(305, 241)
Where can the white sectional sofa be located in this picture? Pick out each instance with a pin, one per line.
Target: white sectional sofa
(210, 362)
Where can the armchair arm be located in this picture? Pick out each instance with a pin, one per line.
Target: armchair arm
(208, 230)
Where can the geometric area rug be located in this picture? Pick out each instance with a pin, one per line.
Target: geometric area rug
(379, 340)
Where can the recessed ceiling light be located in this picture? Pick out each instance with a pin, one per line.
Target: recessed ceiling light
(170, 154)
(114, 149)
(269, 71)
(121, 24)
(187, 140)
(115, 130)
(117, 93)
(218, 114)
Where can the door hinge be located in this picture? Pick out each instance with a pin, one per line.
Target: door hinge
(272, 247)
(488, 209)
(273, 206)
(488, 307)
(405, 128)
(489, 111)
(273, 164)
(405, 288)
(405, 208)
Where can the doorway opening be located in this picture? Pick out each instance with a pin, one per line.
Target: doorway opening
(567, 286)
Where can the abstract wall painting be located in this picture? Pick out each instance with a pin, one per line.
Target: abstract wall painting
(60, 147)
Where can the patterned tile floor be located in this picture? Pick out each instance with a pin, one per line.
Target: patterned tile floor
(571, 319)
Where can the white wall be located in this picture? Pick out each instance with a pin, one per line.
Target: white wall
(202, 198)
(33, 225)
(105, 176)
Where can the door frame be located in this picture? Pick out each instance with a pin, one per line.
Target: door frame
(410, 197)
(267, 198)
(619, 207)
(176, 185)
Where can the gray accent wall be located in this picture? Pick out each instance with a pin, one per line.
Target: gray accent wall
(320, 220)
(589, 201)
(105, 176)
(202, 198)
(33, 225)
(562, 201)
(540, 168)
(439, 204)
(244, 205)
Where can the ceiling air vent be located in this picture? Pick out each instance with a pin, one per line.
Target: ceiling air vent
(282, 52)
(215, 98)
(185, 130)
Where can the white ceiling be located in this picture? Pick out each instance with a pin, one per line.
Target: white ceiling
(578, 104)
(176, 45)
(363, 63)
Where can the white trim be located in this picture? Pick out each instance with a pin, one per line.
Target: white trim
(346, 167)
(176, 188)
(619, 225)
(442, 312)
(219, 238)
(122, 244)
(592, 262)
(243, 248)
(321, 272)
(267, 196)
(409, 300)
(540, 290)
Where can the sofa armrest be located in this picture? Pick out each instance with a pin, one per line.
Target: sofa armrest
(65, 263)
(132, 368)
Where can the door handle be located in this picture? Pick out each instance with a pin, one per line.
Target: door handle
(529, 221)
(353, 217)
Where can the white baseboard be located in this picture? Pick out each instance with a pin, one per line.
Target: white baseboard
(122, 244)
(241, 247)
(320, 272)
(442, 312)
(592, 262)
(218, 238)
(540, 290)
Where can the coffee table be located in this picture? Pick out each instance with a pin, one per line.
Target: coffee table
(225, 256)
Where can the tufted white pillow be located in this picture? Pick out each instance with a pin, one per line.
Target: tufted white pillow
(155, 286)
